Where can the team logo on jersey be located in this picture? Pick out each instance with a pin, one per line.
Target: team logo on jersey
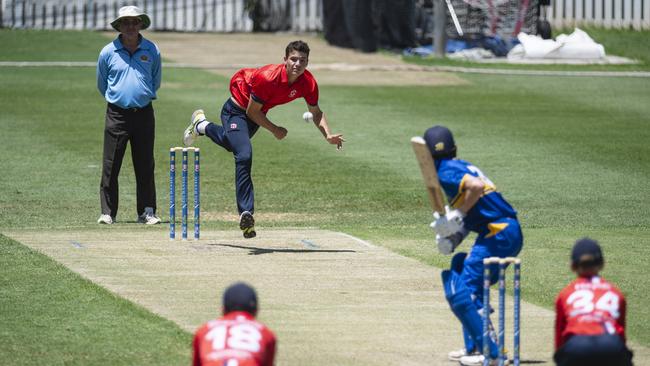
(233, 126)
(293, 93)
(144, 58)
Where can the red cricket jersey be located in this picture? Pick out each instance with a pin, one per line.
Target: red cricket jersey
(269, 86)
(589, 306)
(236, 339)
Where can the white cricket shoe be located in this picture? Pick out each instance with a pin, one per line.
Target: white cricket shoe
(148, 217)
(190, 133)
(478, 359)
(457, 354)
(105, 219)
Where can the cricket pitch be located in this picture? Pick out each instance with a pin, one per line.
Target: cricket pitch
(331, 298)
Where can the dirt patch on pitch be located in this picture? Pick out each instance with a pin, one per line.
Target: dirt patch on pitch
(333, 299)
(225, 53)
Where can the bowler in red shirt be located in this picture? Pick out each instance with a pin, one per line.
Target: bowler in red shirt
(253, 93)
(590, 314)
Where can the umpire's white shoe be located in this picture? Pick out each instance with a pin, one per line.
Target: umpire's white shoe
(190, 133)
(148, 217)
(105, 219)
(477, 360)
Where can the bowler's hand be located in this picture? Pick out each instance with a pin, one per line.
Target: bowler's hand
(280, 132)
(337, 140)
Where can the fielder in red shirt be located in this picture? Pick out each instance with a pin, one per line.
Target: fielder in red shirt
(236, 339)
(253, 93)
(590, 314)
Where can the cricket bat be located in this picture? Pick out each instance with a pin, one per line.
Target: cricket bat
(428, 169)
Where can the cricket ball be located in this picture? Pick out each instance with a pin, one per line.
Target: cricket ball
(308, 117)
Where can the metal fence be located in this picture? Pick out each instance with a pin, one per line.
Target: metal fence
(633, 14)
(294, 15)
(167, 15)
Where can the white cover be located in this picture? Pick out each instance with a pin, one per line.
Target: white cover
(577, 45)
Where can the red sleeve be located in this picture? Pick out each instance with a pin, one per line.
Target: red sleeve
(311, 92)
(270, 348)
(196, 352)
(621, 319)
(259, 87)
(560, 320)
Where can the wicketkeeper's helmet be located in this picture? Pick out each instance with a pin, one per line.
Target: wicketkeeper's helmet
(240, 297)
(440, 142)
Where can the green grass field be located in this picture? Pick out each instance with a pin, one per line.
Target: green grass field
(571, 154)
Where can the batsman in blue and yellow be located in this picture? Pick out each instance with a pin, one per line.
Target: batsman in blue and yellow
(475, 205)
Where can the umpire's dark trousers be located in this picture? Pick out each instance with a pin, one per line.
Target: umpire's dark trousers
(137, 126)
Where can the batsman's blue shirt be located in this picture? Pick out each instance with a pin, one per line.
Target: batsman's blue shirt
(129, 80)
(452, 174)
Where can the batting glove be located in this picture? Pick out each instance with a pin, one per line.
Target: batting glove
(448, 224)
(447, 245)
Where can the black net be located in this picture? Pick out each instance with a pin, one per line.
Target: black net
(505, 19)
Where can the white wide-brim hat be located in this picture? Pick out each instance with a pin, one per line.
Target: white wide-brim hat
(131, 11)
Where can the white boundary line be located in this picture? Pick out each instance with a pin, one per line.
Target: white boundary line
(356, 67)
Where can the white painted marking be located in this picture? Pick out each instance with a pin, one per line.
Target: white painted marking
(77, 244)
(309, 244)
(360, 241)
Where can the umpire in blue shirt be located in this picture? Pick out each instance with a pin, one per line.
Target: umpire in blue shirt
(128, 76)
